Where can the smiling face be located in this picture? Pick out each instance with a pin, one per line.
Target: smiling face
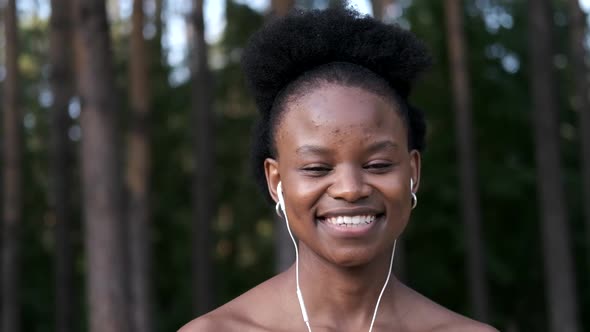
(345, 169)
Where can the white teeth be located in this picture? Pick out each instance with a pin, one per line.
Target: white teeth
(351, 221)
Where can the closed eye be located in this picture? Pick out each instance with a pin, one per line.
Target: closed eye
(379, 167)
(316, 170)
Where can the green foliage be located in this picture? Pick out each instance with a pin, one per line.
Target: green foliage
(241, 231)
(243, 248)
(506, 166)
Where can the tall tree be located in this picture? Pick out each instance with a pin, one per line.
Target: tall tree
(138, 169)
(579, 72)
(337, 3)
(159, 25)
(284, 251)
(11, 171)
(281, 7)
(204, 152)
(559, 277)
(465, 142)
(2, 57)
(101, 178)
(158, 18)
(62, 87)
(380, 9)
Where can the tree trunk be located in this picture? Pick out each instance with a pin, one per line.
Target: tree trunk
(204, 151)
(284, 251)
(157, 40)
(579, 72)
(62, 86)
(470, 204)
(337, 3)
(380, 9)
(138, 169)
(281, 7)
(158, 19)
(559, 277)
(12, 164)
(101, 178)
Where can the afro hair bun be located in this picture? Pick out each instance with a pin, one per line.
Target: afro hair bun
(286, 48)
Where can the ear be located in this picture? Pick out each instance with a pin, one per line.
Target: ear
(271, 170)
(415, 166)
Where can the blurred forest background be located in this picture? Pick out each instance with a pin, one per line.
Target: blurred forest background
(127, 202)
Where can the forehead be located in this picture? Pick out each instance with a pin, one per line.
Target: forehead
(333, 113)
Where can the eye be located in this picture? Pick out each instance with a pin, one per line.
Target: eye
(379, 167)
(316, 170)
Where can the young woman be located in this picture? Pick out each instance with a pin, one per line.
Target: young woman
(338, 150)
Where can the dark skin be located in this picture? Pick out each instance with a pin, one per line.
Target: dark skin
(342, 151)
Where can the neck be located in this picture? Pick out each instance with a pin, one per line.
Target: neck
(343, 296)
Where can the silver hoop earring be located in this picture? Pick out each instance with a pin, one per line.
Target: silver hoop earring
(278, 210)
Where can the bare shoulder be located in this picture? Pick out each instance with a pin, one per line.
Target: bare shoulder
(453, 322)
(464, 325)
(426, 315)
(244, 313)
(230, 317)
(205, 323)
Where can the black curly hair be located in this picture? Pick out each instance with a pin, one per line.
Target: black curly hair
(294, 54)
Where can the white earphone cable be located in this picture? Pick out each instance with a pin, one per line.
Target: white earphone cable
(384, 286)
(299, 294)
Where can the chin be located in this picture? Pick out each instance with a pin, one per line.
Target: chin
(352, 258)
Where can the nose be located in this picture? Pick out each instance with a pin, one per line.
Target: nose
(349, 184)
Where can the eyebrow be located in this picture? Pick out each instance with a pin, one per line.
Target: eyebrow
(382, 145)
(320, 150)
(312, 149)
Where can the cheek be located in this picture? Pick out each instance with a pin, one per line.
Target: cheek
(395, 197)
(396, 193)
(393, 186)
(302, 194)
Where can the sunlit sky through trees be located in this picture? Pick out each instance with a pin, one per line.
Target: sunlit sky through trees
(176, 44)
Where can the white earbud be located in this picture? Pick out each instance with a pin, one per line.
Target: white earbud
(281, 204)
(414, 198)
(281, 198)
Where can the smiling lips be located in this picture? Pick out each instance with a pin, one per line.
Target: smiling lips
(351, 221)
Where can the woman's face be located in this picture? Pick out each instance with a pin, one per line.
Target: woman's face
(345, 170)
